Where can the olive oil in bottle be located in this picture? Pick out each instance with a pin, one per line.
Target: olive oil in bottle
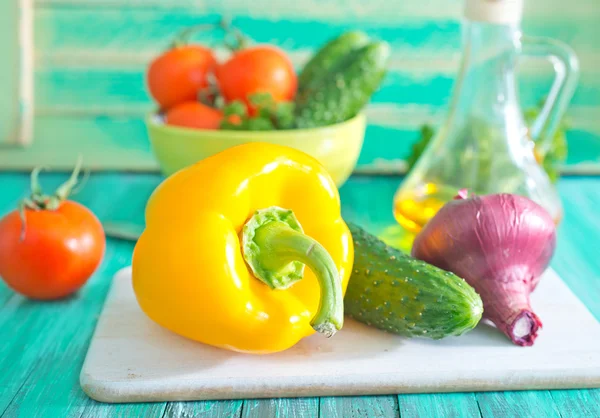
(414, 208)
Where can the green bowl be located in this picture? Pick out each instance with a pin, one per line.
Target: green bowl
(337, 147)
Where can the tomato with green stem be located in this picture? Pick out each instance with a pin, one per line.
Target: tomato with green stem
(50, 246)
(257, 69)
(179, 74)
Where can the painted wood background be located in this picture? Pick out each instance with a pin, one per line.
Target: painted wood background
(90, 57)
(16, 74)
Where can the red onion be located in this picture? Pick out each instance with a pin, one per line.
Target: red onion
(500, 244)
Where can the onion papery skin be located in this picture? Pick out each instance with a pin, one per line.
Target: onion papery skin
(500, 244)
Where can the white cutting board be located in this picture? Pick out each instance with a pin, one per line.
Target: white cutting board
(131, 359)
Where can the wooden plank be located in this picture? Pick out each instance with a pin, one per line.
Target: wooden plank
(134, 36)
(447, 405)
(583, 149)
(95, 410)
(214, 409)
(16, 78)
(107, 143)
(375, 213)
(113, 143)
(528, 404)
(24, 324)
(428, 8)
(578, 263)
(91, 92)
(57, 347)
(359, 407)
(140, 30)
(122, 91)
(577, 403)
(311, 9)
(288, 408)
(5, 294)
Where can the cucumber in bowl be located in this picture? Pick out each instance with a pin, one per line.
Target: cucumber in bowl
(329, 56)
(343, 88)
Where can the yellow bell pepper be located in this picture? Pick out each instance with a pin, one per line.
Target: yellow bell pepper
(221, 260)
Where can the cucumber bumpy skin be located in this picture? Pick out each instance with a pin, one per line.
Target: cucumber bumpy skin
(402, 295)
(328, 56)
(345, 90)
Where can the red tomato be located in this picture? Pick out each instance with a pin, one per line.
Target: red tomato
(60, 251)
(260, 69)
(194, 115)
(179, 74)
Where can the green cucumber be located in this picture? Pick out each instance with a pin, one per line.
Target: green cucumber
(328, 56)
(402, 295)
(345, 90)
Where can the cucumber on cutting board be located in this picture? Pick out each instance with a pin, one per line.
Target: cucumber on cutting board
(399, 294)
(345, 89)
(328, 56)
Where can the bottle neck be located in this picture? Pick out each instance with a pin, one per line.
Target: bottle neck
(486, 82)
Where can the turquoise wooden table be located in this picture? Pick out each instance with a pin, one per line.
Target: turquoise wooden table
(43, 345)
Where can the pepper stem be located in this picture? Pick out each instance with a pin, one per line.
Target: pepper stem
(276, 249)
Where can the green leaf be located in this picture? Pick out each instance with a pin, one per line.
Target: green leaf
(284, 115)
(269, 115)
(235, 108)
(427, 132)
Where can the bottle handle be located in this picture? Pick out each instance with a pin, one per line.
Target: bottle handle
(566, 67)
